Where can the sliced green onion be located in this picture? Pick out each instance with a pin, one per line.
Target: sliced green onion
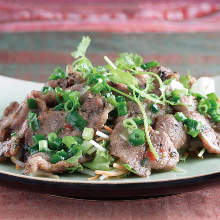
(69, 141)
(88, 134)
(76, 120)
(32, 103)
(58, 156)
(59, 107)
(193, 127)
(180, 117)
(52, 136)
(137, 137)
(69, 106)
(129, 124)
(154, 108)
(43, 146)
(33, 121)
(33, 150)
(13, 134)
(139, 121)
(200, 154)
(37, 138)
(122, 109)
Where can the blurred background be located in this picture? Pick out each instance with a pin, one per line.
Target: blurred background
(38, 35)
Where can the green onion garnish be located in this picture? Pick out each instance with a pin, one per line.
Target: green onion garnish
(43, 146)
(58, 156)
(33, 121)
(180, 117)
(154, 108)
(69, 141)
(37, 138)
(130, 124)
(137, 137)
(32, 103)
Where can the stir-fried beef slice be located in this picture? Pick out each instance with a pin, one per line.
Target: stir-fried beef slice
(95, 110)
(49, 99)
(134, 110)
(51, 121)
(168, 155)
(40, 162)
(10, 147)
(13, 121)
(209, 137)
(173, 128)
(73, 78)
(127, 153)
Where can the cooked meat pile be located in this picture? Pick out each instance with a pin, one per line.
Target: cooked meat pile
(71, 126)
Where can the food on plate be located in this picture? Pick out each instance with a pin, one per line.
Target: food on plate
(128, 117)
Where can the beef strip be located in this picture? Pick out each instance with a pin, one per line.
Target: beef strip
(51, 121)
(173, 128)
(209, 137)
(95, 110)
(73, 78)
(121, 148)
(166, 150)
(126, 152)
(40, 162)
(134, 110)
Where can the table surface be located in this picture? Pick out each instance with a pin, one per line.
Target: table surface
(34, 55)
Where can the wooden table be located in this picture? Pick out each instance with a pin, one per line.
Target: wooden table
(34, 55)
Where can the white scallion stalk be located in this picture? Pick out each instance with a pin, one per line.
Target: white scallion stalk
(200, 154)
(96, 145)
(101, 134)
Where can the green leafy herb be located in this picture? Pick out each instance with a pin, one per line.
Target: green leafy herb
(58, 74)
(128, 61)
(149, 65)
(102, 161)
(88, 134)
(82, 47)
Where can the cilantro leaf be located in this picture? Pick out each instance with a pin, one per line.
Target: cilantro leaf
(128, 61)
(119, 76)
(82, 47)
